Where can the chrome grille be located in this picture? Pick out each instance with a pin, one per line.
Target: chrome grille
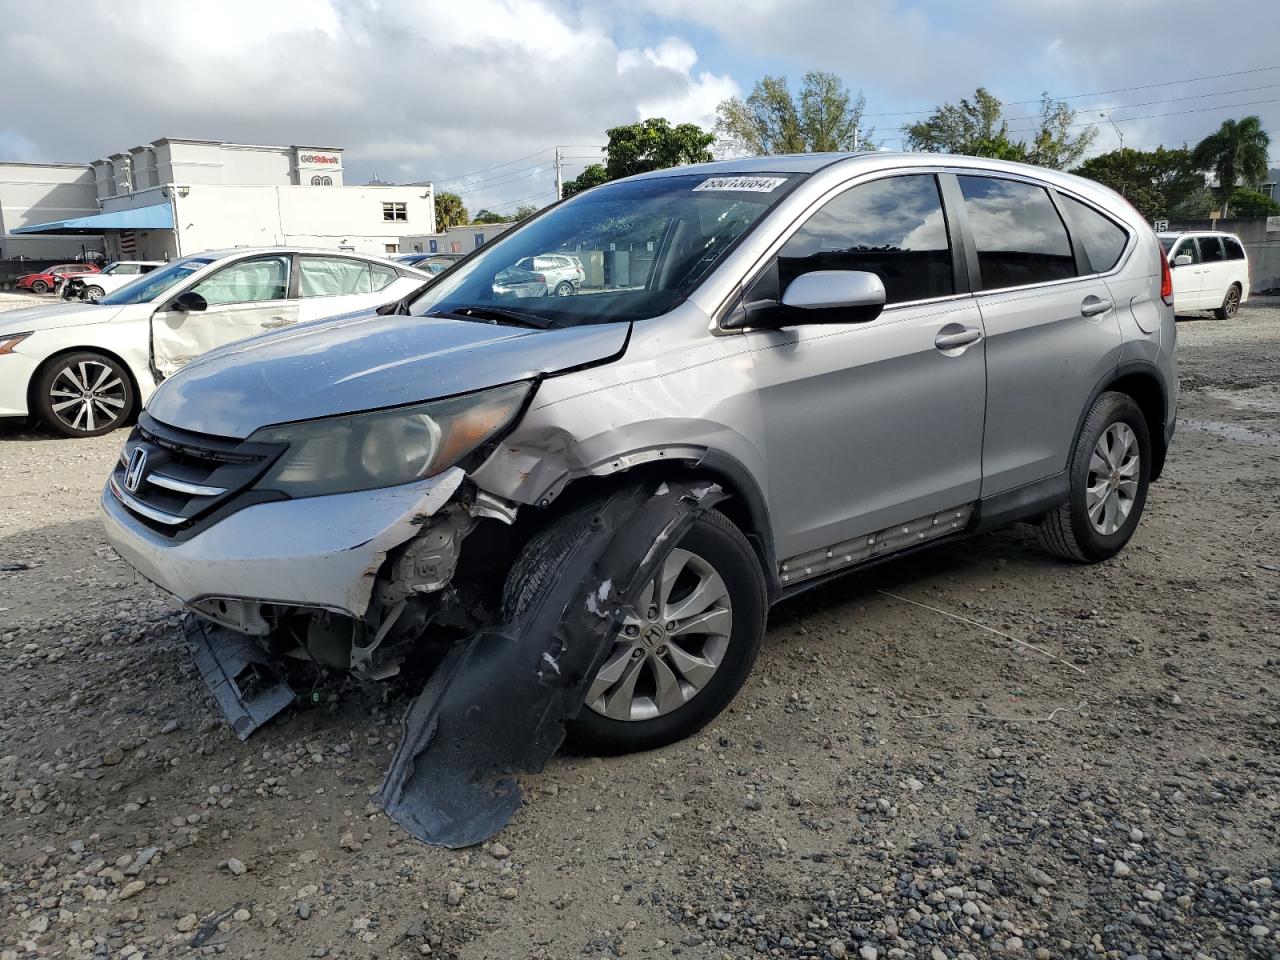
(171, 479)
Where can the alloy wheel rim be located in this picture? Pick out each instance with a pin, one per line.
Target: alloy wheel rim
(87, 395)
(1233, 301)
(672, 642)
(1112, 485)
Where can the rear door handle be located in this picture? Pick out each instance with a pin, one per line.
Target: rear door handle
(951, 338)
(1092, 306)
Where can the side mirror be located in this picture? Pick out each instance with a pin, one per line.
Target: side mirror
(190, 302)
(1182, 260)
(823, 296)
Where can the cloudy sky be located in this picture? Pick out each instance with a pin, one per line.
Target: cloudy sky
(474, 94)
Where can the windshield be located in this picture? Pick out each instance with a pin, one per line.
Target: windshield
(1167, 243)
(151, 285)
(643, 246)
(112, 267)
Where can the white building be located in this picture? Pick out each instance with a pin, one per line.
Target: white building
(37, 193)
(175, 197)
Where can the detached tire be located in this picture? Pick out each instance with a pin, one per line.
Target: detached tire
(678, 663)
(1109, 473)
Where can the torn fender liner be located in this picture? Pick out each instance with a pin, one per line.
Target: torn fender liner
(498, 703)
(242, 678)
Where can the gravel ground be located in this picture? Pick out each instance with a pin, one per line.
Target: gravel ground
(893, 782)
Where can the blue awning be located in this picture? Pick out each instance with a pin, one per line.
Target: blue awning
(158, 216)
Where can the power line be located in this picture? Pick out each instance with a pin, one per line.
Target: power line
(1155, 116)
(1099, 93)
(1152, 103)
(508, 203)
(463, 176)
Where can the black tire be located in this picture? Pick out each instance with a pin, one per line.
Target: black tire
(713, 537)
(53, 379)
(1068, 531)
(93, 294)
(564, 289)
(39, 286)
(1230, 303)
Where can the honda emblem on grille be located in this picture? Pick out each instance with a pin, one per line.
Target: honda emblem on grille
(137, 467)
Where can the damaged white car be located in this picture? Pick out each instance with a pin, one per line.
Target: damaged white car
(574, 512)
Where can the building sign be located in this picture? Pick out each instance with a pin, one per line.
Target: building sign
(434, 246)
(1162, 226)
(1273, 224)
(320, 159)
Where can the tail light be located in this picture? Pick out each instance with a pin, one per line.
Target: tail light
(1166, 279)
(540, 277)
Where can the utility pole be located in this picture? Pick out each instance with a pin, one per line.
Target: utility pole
(559, 176)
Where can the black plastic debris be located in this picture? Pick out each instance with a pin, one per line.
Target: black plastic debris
(246, 683)
(498, 703)
(7, 566)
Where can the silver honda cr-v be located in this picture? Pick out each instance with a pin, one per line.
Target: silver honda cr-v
(776, 371)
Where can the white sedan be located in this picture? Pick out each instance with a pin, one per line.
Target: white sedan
(86, 368)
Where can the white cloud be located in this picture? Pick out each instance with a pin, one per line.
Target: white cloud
(412, 90)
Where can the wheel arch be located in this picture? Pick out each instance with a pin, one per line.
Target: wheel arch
(745, 506)
(1143, 382)
(64, 351)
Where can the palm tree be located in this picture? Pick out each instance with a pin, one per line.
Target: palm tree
(1237, 149)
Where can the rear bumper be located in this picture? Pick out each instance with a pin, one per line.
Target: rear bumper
(322, 552)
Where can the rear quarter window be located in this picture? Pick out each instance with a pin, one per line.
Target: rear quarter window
(1104, 240)
(1233, 248)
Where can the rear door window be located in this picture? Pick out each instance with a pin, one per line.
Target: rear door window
(1104, 240)
(1233, 248)
(1211, 250)
(894, 228)
(1019, 236)
(332, 277)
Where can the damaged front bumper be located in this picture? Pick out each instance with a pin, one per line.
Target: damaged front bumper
(317, 552)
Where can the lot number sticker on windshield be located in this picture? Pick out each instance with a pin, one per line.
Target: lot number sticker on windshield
(742, 184)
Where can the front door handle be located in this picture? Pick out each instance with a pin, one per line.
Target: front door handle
(1092, 306)
(953, 336)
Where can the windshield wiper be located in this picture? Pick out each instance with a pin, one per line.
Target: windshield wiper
(487, 314)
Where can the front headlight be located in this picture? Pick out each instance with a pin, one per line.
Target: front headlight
(386, 447)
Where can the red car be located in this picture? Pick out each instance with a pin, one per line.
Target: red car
(45, 280)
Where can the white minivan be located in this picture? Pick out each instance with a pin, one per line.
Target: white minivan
(1210, 271)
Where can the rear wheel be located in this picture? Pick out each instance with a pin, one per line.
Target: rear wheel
(1108, 474)
(83, 394)
(686, 648)
(564, 289)
(93, 293)
(39, 286)
(1230, 303)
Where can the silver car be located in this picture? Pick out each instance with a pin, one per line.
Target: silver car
(796, 366)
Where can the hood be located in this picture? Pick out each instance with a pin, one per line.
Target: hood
(51, 316)
(365, 362)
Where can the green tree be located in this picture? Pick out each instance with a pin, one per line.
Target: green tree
(592, 176)
(1155, 181)
(826, 116)
(1236, 152)
(449, 210)
(652, 144)
(1251, 203)
(524, 211)
(490, 216)
(977, 127)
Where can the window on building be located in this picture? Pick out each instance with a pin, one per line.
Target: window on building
(417, 248)
(1103, 239)
(1018, 233)
(249, 281)
(326, 181)
(332, 277)
(893, 228)
(432, 246)
(479, 238)
(1233, 248)
(317, 181)
(395, 212)
(391, 247)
